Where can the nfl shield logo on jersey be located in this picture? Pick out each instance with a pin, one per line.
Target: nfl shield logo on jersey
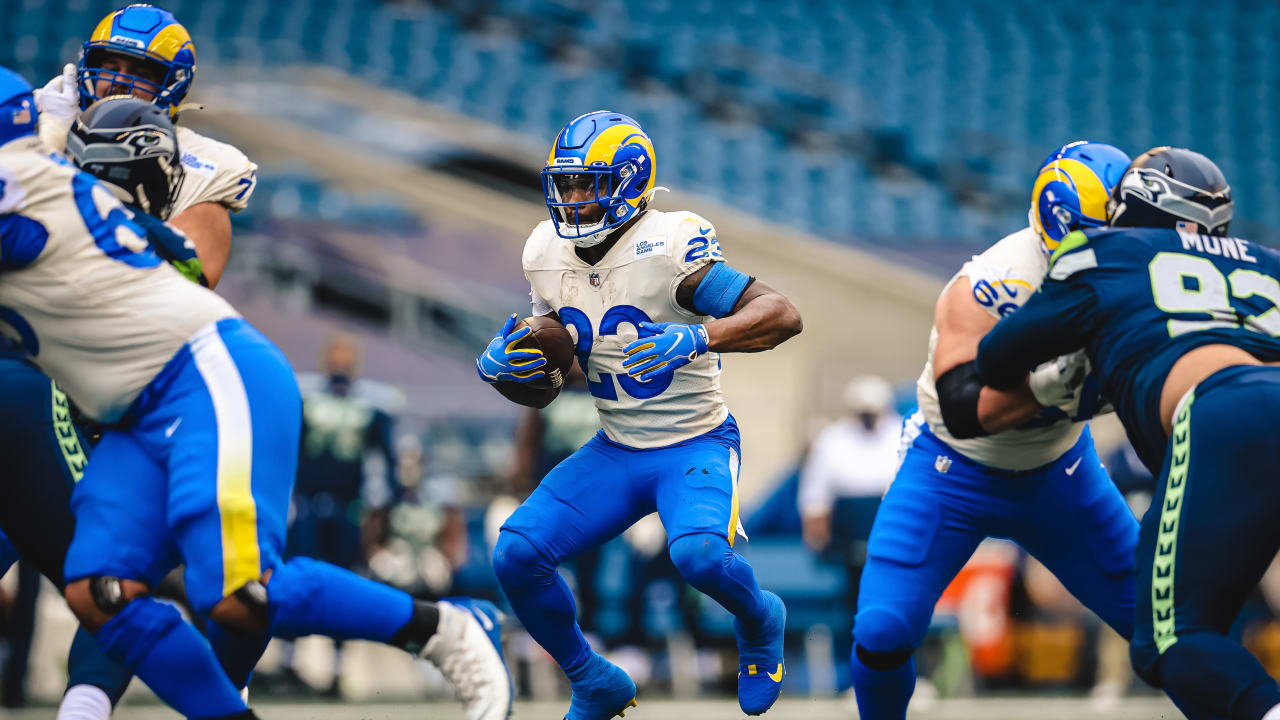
(594, 279)
(942, 464)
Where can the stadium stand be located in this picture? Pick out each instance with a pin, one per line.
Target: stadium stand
(880, 124)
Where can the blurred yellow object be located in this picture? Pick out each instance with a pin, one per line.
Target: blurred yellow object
(1263, 640)
(1046, 654)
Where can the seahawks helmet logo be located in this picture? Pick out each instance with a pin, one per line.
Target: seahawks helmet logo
(1172, 196)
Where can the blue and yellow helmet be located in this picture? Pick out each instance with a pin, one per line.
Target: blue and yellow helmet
(17, 106)
(609, 158)
(146, 33)
(1072, 187)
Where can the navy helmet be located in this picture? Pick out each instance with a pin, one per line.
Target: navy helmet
(1174, 188)
(131, 146)
(18, 112)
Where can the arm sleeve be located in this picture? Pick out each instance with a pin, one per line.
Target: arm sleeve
(1055, 321)
(719, 291)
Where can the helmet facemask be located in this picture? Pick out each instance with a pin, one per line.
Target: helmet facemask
(166, 85)
(586, 222)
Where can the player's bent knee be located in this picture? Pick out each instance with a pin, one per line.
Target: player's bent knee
(244, 610)
(884, 633)
(882, 661)
(516, 561)
(95, 600)
(1145, 658)
(700, 557)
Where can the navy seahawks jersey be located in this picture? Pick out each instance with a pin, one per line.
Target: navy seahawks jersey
(1137, 299)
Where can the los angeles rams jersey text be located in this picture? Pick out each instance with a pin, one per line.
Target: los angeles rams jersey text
(1003, 277)
(82, 293)
(603, 303)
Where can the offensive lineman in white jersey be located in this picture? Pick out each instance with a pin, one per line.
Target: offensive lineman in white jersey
(1040, 485)
(653, 303)
(143, 51)
(200, 454)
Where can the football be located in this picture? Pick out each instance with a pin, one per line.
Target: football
(556, 345)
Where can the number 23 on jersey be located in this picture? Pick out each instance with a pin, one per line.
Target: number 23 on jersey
(609, 324)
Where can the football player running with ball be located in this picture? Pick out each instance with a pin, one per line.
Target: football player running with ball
(653, 304)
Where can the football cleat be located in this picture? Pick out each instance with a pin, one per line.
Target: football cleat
(599, 175)
(760, 663)
(467, 648)
(601, 690)
(1071, 189)
(148, 36)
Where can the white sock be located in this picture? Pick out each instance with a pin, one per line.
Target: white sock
(1272, 714)
(85, 702)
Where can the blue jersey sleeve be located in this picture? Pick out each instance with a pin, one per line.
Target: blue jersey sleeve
(1056, 320)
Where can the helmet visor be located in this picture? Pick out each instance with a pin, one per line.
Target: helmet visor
(581, 197)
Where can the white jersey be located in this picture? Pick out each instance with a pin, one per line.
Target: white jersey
(1003, 277)
(80, 290)
(214, 171)
(634, 282)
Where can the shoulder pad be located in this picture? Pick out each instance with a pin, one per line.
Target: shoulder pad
(1072, 256)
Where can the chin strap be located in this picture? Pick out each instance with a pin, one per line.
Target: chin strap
(187, 106)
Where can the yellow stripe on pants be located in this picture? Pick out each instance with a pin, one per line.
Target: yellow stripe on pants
(237, 510)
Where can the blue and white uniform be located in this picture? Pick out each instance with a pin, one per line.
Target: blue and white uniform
(133, 342)
(1040, 485)
(668, 445)
(653, 432)
(200, 462)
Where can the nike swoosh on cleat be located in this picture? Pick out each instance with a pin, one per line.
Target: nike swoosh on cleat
(776, 676)
(1071, 469)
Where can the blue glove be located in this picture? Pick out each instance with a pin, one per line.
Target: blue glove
(502, 362)
(663, 348)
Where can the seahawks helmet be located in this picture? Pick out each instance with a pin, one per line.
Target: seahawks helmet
(150, 35)
(17, 106)
(1168, 187)
(1071, 189)
(131, 146)
(605, 157)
